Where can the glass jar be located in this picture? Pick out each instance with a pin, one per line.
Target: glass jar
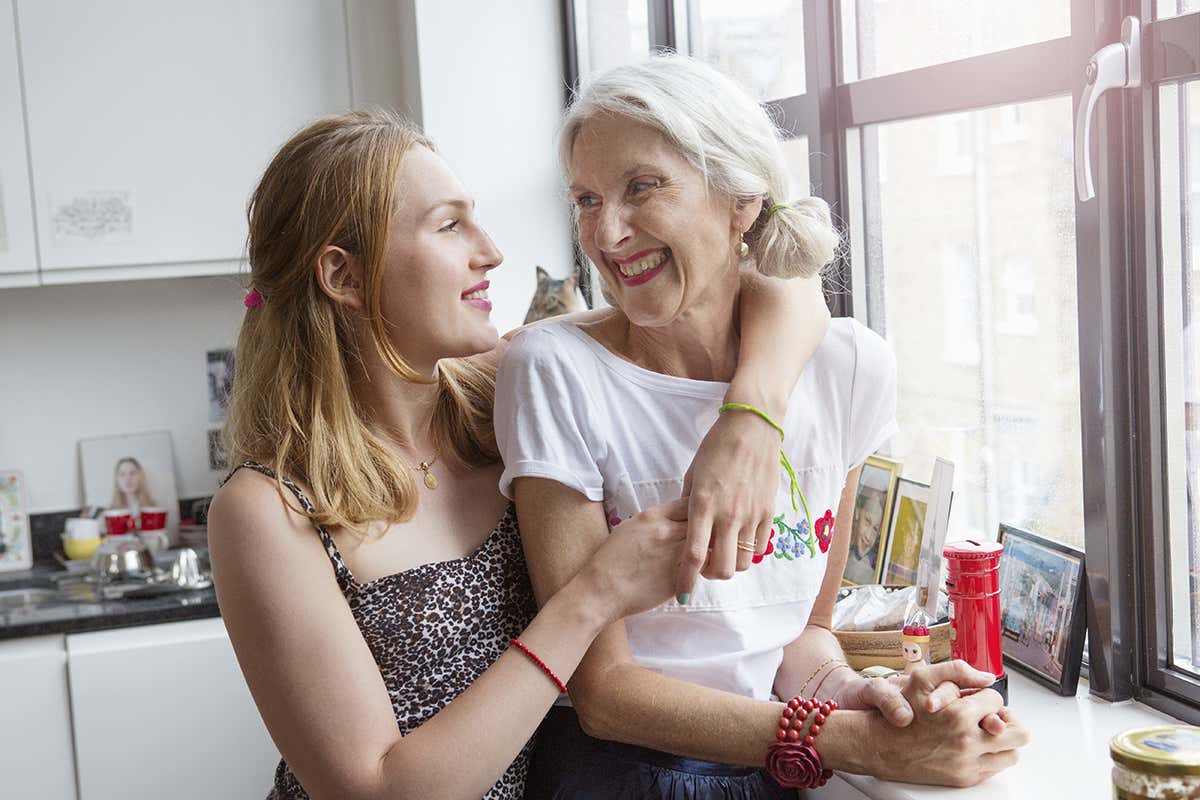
(1160, 763)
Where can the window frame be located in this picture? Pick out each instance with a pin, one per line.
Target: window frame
(1117, 268)
(1171, 54)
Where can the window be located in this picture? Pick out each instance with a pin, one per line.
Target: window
(1000, 210)
(960, 306)
(1173, 8)
(608, 34)
(754, 41)
(881, 37)
(1018, 306)
(1179, 126)
(1048, 345)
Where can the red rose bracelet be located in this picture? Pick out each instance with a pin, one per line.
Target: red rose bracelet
(792, 760)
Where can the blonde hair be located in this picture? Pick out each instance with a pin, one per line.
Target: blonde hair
(292, 408)
(144, 500)
(726, 135)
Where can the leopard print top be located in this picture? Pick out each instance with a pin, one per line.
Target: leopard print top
(434, 629)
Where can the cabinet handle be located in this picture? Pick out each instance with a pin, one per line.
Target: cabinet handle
(1114, 66)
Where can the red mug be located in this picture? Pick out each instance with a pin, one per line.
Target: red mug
(153, 519)
(118, 521)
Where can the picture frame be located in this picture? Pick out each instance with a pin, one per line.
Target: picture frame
(16, 552)
(869, 524)
(902, 551)
(1043, 608)
(131, 470)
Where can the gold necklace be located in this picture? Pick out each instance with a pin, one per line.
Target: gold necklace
(431, 481)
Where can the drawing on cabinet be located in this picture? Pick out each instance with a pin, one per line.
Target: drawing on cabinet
(91, 217)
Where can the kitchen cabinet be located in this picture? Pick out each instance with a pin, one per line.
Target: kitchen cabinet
(36, 757)
(18, 257)
(149, 123)
(163, 711)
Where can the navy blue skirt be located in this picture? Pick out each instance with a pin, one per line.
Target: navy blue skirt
(567, 764)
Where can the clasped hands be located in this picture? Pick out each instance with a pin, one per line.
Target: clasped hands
(954, 730)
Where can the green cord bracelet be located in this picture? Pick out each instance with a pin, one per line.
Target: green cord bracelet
(794, 485)
(753, 410)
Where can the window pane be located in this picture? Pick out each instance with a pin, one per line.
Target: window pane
(1173, 8)
(758, 42)
(795, 151)
(970, 259)
(1179, 171)
(611, 34)
(885, 36)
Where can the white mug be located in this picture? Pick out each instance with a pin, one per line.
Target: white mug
(81, 528)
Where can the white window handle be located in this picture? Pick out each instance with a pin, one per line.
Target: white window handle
(1115, 66)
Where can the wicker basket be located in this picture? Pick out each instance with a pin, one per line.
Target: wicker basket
(882, 648)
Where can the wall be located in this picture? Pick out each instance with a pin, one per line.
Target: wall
(102, 359)
(491, 98)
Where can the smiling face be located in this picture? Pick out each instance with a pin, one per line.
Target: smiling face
(434, 287)
(660, 237)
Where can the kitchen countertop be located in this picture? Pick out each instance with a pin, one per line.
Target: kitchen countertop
(76, 616)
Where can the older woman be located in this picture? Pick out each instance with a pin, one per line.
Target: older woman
(679, 181)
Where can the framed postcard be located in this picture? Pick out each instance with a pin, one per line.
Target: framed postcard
(16, 546)
(868, 528)
(902, 551)
(1043, 617)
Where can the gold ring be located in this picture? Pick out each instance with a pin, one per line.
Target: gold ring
(746, 548)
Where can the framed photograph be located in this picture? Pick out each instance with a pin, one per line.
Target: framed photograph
(220, 384)
(902, 551)
(868, 528)
(16, 546)
(1042, 608)
(136, 471)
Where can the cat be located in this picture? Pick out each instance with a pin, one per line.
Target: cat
(553, 297)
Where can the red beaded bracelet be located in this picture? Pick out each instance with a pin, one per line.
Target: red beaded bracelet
(793, 761)
(562, 687)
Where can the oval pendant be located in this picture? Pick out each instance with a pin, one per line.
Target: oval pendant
(430, 481)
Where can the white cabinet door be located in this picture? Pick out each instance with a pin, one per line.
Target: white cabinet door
(163, 711)
(18, 257)
(150, 122)
(36, 759)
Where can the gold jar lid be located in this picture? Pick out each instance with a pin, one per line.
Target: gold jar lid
(1162, 750)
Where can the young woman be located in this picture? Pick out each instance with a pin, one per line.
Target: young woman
(679, 180)
(369, 571)
(129, 486)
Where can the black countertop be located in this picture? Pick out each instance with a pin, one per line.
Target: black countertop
(90, 613)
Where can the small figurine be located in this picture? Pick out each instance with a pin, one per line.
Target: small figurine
(915, 645)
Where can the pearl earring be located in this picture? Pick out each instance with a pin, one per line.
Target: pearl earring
(743, 249)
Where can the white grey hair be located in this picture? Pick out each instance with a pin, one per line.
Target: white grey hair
(726, 135)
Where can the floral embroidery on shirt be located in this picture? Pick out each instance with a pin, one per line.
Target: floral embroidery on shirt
(824, 528)
(794, 542)
(756, 559)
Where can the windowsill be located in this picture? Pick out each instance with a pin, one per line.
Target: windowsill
(1066, 757)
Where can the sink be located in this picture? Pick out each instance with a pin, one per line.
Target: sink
(24, 598)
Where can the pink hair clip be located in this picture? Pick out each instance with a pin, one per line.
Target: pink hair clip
(253, 299)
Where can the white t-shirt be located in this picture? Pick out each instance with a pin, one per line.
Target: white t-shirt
(570, 410)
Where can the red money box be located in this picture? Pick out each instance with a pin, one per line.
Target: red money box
(973, 586)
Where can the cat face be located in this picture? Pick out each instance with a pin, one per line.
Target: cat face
(662, 239)
(436, 265)
(552, 297)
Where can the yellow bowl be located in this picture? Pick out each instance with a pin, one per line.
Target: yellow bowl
(80, 549)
